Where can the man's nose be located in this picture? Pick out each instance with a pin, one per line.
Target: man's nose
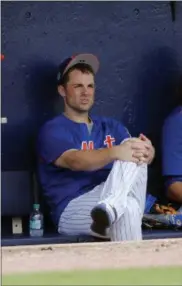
(85, 90)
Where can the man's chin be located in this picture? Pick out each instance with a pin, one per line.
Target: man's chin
(84, 108)
(81, 108)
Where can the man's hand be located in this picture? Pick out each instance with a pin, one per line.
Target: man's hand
(151, 150)
(132, 150)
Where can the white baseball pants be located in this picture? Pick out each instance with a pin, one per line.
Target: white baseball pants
(125, 190)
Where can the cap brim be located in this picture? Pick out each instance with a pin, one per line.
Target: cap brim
(88, 59)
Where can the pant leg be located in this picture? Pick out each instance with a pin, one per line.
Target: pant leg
(129, 225)
(125, 190)
(76, 217)
(119, 184)
(120, 191)
(139, 187)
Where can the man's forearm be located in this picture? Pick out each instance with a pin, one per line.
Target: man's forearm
(88, 160)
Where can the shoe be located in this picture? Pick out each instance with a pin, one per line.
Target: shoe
(102, 237)
(103, 217)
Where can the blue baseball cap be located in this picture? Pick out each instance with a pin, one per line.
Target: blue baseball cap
(68, 63)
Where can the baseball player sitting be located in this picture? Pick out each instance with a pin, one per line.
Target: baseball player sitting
(92, 172)
(172, 153)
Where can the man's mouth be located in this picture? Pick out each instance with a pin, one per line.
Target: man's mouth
(84, 101)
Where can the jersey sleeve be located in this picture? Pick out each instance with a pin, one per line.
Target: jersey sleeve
(121, 133)
(53, 142)
(172, 146)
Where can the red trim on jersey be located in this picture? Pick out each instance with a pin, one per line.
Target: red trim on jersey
(87, 145)
(109, 141)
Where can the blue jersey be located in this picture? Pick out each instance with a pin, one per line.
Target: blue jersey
(61, 185)
(172, 147)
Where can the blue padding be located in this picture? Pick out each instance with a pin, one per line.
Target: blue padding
(56, 239)
(16, 193)
(48, 239)
(160, 234)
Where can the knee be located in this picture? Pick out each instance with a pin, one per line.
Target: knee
(174, 192)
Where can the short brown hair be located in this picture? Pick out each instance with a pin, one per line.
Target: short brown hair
(84, 68)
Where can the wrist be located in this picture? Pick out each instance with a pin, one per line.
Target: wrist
(113, 153)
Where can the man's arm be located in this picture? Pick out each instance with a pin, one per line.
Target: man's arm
(85, 160)
(171, 156)
(90, 160)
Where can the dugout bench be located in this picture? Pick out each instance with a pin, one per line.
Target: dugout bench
(17, 204)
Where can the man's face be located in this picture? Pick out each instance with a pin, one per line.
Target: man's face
(79, 91)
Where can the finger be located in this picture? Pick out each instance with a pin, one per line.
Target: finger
(141, 137)
(140, 163)
(140, 145)
(134, 139)
(150, 152)
(141, 152)
(149, 146)
(146, 154)
(138, 154)
(139, 141)
(144, 138)
(135, 160)
(143, 160)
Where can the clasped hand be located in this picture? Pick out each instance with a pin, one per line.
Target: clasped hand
(141, 149)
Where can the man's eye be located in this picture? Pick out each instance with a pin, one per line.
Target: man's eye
(77, 86)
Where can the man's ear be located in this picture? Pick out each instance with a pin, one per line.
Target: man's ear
(61, 90)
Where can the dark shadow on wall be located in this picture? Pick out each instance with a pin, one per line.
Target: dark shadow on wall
(155, 97)
(154, 84)
(41, 88)
(156, 88)
(43, 103)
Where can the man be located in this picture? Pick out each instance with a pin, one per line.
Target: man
(92, 172)
(172, 152)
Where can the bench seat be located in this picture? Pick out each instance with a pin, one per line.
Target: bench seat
(56, 238)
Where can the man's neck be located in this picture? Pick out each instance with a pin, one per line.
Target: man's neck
(79, 118)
